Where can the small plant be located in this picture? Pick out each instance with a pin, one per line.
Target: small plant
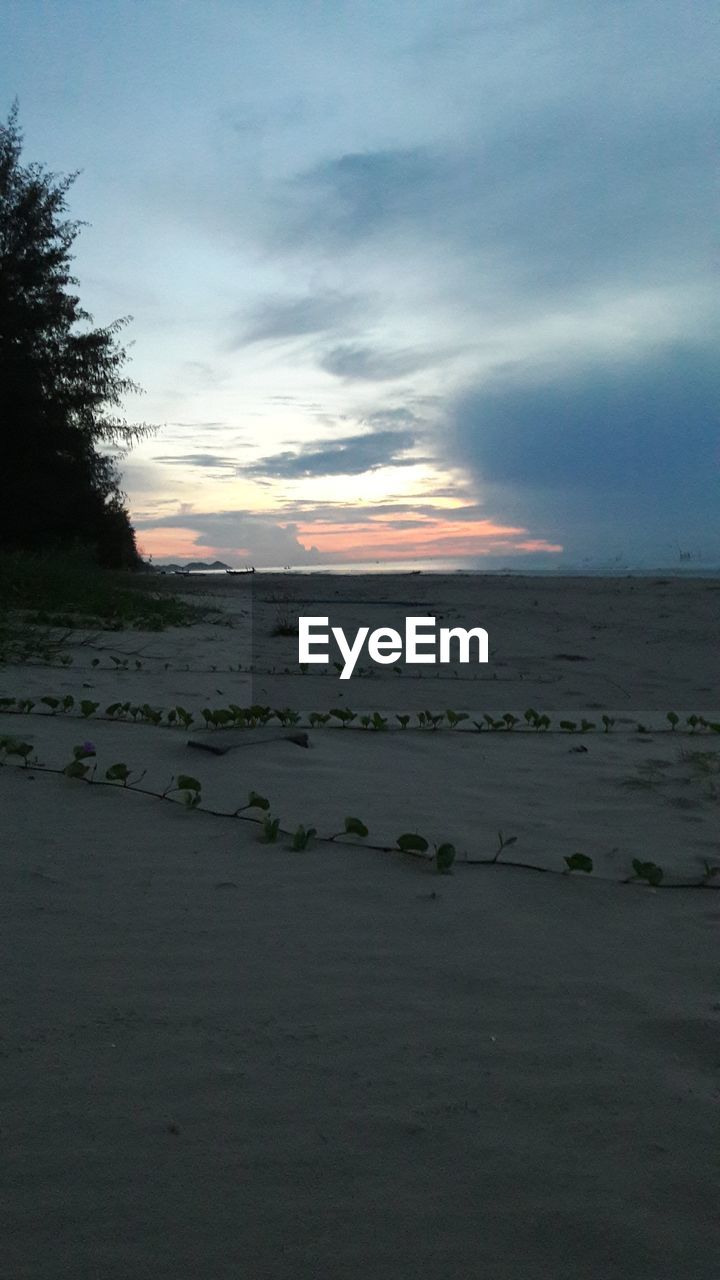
(444, 858)
(270, 829)
(344, 715)
(353, 827)
(317, 717)
(411, 842)
(378, 722)
(15, 747)
(673, 719)
(503, 843)
(608, 723)
(285, 626)
(287, 716)
(190, 787)
(88, 708)
(404, 721)
(254, 801)
(302, 838)
(579, 862)
(586, 726)
(432, 720)
(52, 703)
(568, 725)
(454, 718)
(76, 768)
(648, 871)
(120, 773)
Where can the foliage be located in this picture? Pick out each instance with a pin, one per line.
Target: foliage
(62, 377)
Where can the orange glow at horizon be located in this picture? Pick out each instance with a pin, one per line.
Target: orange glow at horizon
(179, 544)
(363, 541)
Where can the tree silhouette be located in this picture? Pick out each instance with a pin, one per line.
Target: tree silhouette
(61, 381)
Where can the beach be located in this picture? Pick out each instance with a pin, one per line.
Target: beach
(227, 1056)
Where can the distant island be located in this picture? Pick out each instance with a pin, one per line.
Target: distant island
(192, 566)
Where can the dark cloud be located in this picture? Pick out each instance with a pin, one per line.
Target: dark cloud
(282, 318)
(368, 364)
(354, 195)
(583, 454)
(209, 460)
(352, 455)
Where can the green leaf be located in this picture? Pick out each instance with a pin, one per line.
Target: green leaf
(579, 862)
(648, 871)
(186, 783)
(256, 801)
(52, 703)
(456, 717)
(117, 773)
(412, 843)
(76, 769)
(354, 827)
(88, 708)
(302, 837)
(444, 857)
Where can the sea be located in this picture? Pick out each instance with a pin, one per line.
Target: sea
(459, 566)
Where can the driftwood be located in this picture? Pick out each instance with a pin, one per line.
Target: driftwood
(219, 743)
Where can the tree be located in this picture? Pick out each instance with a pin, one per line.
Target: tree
(61, 380)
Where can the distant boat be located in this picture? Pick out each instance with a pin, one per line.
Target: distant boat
(234, 573)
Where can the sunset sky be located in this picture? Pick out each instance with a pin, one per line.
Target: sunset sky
(409, 279)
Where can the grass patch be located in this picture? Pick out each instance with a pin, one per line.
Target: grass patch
(68, 589)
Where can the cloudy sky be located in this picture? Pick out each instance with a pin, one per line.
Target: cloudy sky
(409, 279)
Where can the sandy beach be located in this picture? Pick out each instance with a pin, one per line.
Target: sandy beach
(223, 1057)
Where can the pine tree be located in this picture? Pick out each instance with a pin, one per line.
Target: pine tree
(61, 380)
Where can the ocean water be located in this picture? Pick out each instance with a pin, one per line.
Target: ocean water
(463, 566)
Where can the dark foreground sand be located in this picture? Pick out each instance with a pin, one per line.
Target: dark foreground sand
(225, 1059)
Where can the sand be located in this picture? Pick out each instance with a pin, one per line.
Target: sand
(222, 1058)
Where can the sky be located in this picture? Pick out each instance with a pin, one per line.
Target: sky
(408, 280)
